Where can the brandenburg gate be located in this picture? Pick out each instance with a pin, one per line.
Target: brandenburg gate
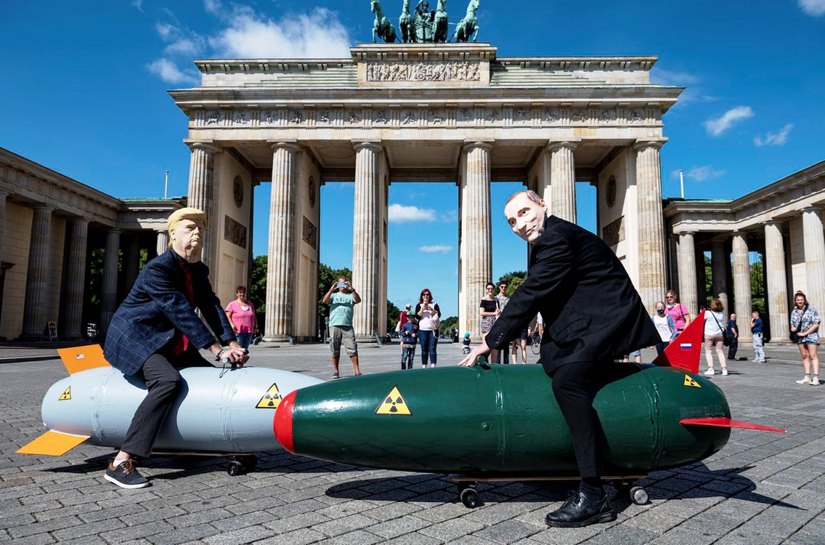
(396, 113)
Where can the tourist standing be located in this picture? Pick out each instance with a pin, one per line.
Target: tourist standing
(341, 298)
(241, 314)
(733, 337)
(408, 340)
(677, 311)
(805, 326)
(714, 317)
(504, 354)
(489, 311)
(429, 316)
(665, 326)
(757, 340)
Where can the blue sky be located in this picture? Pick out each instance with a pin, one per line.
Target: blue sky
(84, 92)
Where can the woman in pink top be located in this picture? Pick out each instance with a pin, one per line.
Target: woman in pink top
(241, 314)
(677, 311)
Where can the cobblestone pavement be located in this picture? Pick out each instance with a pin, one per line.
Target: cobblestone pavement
(762, 488)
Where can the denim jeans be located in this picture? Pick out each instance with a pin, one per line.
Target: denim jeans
(407, 356)
(428, 340)
(758, 347)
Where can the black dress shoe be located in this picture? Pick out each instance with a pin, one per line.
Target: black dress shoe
(580, 510)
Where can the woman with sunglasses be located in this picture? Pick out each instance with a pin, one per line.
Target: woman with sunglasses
(489, 310)
(805, 324)
(428, 321)
(677, 311)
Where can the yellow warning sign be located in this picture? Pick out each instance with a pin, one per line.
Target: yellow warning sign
(66, 395)
(394, 404)
(271, 400)
(689, 381)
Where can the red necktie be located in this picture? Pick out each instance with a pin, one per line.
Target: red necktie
(183, 341)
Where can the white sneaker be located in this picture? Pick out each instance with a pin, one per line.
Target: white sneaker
(724, 372)
(806, 380)
(710, 372)
(814, 381)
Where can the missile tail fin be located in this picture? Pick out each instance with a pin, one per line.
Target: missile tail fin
(81, 358)
(52, 443)
(686, 349)
(722, 422)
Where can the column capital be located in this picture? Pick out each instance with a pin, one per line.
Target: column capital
(741, 234)
(685, 232)
(811, 208)
(43, 207)
(374, 145)
(644, 143)
(472, 144)
(554, 145)
(773, 222)
(79, 220)
(289, 145)
(201, 145)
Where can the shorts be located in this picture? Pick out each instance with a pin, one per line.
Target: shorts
(342, 334)
(523, 336)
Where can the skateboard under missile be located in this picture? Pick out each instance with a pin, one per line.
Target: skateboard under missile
(224, 412)
(503, 422)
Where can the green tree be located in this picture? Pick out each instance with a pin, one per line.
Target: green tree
(392, 315)
(257, 291)
(758, 300)
(708, 280)
(514, 279)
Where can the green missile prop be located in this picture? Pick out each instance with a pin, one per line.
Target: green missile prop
(502, 419)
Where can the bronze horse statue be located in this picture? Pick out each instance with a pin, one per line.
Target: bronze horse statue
(469, 24)
(381, 28)
(440, 24)
(405, 23)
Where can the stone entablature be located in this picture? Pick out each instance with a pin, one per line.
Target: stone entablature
(777, 201)
(504, 115)
(27, 181)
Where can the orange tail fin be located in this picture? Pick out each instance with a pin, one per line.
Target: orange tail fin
(686, 349)
(81, 358)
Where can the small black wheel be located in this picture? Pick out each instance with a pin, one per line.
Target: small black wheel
(469, 497)
(638, 495)
(235, 468)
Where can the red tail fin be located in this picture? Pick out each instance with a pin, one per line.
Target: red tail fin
(722, 422)
(686, 349)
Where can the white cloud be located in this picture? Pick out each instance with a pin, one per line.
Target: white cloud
(813, 7)
(137, 4)
(436, 249)
(168, 72)
(317, 34)
(703, 173)
(717, 126)
(660, 76)
(774, 138)
(185, 46)
(212, 6)
(407, 214)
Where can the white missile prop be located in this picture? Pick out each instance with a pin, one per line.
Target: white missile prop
(220, 411)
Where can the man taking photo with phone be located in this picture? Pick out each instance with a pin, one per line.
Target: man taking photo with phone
(341, 298)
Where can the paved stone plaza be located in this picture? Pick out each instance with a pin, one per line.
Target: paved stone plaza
(762, 488)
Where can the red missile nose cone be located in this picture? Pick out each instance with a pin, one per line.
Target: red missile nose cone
(283, 422)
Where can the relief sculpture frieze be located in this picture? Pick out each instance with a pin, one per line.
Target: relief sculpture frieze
(424, 71)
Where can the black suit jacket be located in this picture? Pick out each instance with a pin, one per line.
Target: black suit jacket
(157, 306)
(590, 308)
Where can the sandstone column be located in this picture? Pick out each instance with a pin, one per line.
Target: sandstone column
(163, 242)
(814, 244)
(777, 281)
(365, 234)
(742, 285)
(719, 268)
(651, 231)
(34, 311)
(3, 196)
(109, 292)
(76, 279)
(562, 180)
(201, 191)
(687, 273)
(280, 284)
(476, 233)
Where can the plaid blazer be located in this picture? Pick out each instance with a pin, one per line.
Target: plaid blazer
(157, 307)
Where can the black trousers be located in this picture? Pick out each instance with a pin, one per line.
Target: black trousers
(575, 386)
(160, 372)
(733, 347)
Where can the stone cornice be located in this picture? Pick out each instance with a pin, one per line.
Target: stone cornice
(780, 200)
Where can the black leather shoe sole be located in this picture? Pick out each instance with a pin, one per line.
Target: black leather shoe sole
(595, 519)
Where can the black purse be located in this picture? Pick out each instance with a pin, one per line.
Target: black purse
(794, 337)
(725, 336)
